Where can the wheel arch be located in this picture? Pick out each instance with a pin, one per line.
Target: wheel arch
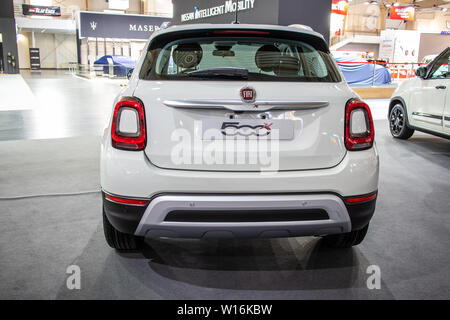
(392, 103)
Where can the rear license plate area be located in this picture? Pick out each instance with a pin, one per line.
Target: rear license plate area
(247, 129)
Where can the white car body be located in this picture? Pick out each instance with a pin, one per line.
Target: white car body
(425, 100)
(314, 169)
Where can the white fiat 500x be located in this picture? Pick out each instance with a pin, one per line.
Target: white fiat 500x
(238, 130)
(423, 103)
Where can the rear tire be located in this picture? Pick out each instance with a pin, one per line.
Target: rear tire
(398, 123)
(346, 240)
(119, 240)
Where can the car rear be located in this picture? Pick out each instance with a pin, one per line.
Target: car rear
(239, 130)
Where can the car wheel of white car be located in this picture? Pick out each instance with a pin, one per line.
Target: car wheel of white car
(398, 124)
(119, 240)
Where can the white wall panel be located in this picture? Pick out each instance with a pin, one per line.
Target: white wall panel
(23, 47)
(66, 50)
(46, 44)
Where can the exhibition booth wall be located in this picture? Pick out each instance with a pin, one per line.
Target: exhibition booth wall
(100, 34)
(315, 14)
(59, 46)
(56, 50)
(87, 36)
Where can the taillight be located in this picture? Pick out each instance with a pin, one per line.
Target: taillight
(359, 130)
(128, 125)
(351, 200)
(135, 202)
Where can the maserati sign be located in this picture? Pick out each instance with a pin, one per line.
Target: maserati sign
(119, 26)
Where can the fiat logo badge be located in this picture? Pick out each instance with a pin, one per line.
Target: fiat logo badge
(248, 95)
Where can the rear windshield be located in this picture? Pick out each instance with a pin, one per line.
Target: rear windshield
(219, 58)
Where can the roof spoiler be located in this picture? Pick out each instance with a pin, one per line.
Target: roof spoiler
(165, 25)
(301, 26)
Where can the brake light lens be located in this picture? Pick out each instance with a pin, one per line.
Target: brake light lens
(128, 131)
(360, 199)
(243, 32)
(134, 202)
(359, 130)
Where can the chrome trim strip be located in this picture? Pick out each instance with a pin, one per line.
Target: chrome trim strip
(447, 119)
(427, 115)
(153, 221)
(238, 105)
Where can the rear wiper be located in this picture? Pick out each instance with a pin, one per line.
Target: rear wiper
(237, 73)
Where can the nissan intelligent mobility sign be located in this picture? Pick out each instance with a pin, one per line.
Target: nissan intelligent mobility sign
(223, 11)
(121, 26)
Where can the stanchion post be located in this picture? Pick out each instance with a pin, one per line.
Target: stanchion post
(373, 75)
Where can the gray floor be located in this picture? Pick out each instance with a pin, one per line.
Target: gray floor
(65, 107)
(40, 237)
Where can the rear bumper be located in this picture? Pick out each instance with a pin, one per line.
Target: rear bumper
(240, 216)
(132, 174)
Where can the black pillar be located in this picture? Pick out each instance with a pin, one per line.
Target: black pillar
(8, 31)
(78, 47)
(315, 14)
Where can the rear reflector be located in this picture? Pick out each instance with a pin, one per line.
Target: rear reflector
(360, 199)
(244, 32)
(126, 201)
(128, 131)
(359, 129)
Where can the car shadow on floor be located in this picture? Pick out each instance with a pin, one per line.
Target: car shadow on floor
(287, 268)
(256, 264)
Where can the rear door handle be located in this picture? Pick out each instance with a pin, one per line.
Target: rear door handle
(441, 87)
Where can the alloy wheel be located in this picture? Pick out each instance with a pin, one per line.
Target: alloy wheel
(397, 120)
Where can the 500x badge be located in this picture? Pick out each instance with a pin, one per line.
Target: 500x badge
(234, 129)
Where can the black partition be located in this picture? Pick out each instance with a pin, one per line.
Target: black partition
(281, 12)
(315, 14)
(9, 37)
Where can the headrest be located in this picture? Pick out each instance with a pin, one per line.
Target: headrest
(187, 55)
(267, 58)
(288, 66)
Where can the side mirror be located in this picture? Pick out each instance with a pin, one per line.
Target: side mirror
(421, 72)
(129, 73)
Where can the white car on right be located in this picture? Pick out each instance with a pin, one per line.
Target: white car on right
(423, 103)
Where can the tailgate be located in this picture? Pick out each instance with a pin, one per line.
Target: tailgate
(205, 125)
